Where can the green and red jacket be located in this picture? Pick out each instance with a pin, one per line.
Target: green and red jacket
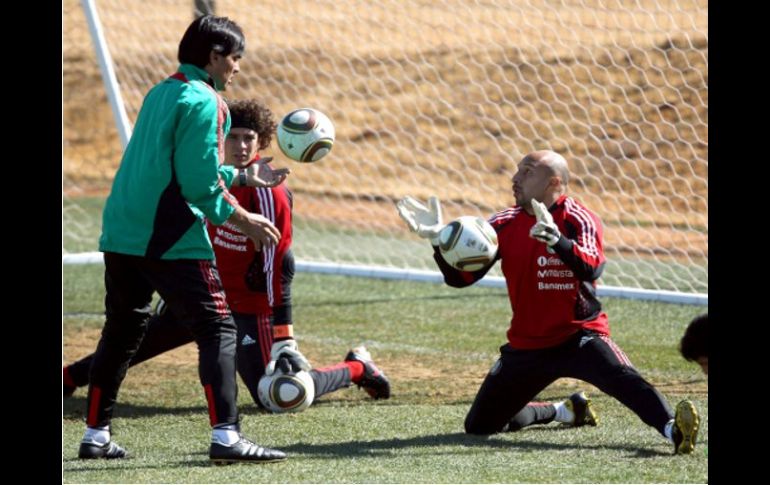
(171, 176)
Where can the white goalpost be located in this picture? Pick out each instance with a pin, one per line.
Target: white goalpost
(432, 98)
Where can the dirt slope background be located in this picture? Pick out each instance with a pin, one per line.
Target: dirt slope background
(444, 97)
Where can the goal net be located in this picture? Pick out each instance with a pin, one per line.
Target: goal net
(438, 97)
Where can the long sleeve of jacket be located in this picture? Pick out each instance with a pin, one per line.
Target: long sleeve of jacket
(227, 172)
(456, 278)
(199, 133)
(580, 245)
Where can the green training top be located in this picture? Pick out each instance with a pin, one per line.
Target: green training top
(171, 175)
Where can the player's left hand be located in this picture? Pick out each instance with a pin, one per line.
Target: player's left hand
(287, 348)
(544, 230)
(260, 174)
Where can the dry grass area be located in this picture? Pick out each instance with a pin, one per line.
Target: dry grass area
(423, 379)
(439, 96)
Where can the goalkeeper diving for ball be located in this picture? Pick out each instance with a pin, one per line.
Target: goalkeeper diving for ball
(257, 284)
(551, 253)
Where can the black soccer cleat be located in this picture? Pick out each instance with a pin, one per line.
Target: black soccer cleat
(685, 430)
(580, 406)
(92, 449)
(374, 381)
(243, 451)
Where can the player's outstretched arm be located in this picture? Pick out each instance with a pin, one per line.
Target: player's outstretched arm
(261, 174)
(456, 278)
(425, 221)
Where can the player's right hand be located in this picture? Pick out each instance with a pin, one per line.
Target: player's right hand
(426, 222)
(257, 228)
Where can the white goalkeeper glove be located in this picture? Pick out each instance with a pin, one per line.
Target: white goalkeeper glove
(426, 222)
(287, 348)
(545, 229)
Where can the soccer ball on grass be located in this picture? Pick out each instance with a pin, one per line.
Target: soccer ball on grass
(288, 390)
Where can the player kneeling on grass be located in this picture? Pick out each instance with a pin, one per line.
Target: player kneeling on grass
(257, 284)
(551, 252)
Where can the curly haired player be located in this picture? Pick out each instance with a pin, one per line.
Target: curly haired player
(257, 284)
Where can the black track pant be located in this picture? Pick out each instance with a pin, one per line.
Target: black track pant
(254, 339)
(193, 292)
(533, 413)
(519, 375)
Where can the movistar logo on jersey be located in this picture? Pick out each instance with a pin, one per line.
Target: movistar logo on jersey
(555, 273)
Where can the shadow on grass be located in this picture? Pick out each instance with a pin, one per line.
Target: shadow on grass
(396, 446)
(131, 463)
(391, 448)
(75, 408)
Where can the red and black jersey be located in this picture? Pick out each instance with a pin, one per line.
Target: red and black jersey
(235, 253)
(552, 294)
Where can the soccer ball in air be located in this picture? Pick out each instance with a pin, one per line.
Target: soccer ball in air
(305, 135)
(287, 390)
(468, 243)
